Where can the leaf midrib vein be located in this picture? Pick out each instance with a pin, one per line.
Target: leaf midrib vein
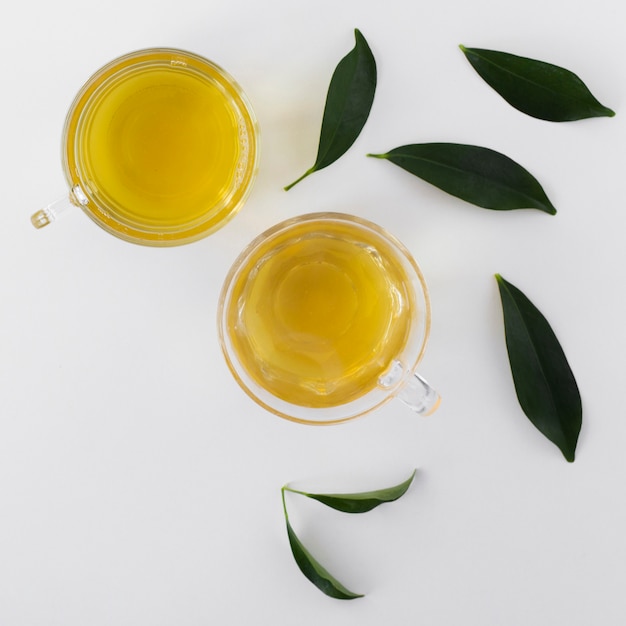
(539, 361)
(458, 169)
(525, 79)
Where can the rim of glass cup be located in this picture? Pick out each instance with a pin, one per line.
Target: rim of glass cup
(82, 196)
(343, 412)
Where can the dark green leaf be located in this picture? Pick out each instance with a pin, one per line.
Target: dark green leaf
(348, 103)
(317, 574)
(478, 175)
(545, 385)
(359, 502)
(539, 89)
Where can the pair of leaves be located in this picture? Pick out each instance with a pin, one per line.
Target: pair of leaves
(348, 503)
(487, 178)
(544, 382)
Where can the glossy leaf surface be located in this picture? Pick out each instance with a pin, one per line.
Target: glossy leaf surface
(359, 502)
(539, 89)
(478, 175)
(348, 104)
(544, 382)
(315, 572)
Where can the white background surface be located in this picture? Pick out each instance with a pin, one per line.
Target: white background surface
(140, 486)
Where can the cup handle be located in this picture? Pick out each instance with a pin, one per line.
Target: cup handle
(419, 396)
(53, 211)
(48, 214)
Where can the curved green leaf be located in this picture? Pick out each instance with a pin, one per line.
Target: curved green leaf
(544, 382)
(539, 89)
(359, 502)
(478, 175)
(315, 572)
(348, 104)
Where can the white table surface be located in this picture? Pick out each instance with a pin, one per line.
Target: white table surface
(139, 486)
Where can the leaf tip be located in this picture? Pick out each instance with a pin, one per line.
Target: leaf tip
(546, 206)
(569, 455)
(359, 38)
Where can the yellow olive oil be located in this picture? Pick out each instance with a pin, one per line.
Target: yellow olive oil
(163, 144)
(318, 314)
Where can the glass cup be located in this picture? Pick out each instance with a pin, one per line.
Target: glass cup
(160, 147)
(324, 318)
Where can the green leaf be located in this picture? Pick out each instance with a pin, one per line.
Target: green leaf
(359, 502)
(348, 104)
(539, 89)
(478, 175)
(315, 572)
(544, 383)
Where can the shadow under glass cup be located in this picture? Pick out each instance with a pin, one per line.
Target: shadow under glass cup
(325, 317)
(159, 148)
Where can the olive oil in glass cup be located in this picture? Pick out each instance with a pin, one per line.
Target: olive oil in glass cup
(160, 147)
(324, 317)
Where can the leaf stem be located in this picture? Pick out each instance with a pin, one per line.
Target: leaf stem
(295, 182)
(377, 156)
(282, 495)
(287, 488)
